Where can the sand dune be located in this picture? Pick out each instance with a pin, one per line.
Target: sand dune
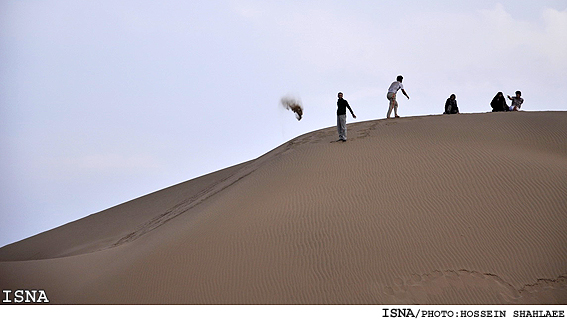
(449, 209)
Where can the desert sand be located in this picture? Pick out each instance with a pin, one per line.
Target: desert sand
(447, 209)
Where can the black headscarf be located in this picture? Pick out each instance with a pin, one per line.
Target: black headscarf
(498, 102)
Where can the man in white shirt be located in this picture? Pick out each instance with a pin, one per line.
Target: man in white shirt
(517, 101)
(394, 87)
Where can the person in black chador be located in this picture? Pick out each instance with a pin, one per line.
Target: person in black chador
(451, 105)
(499, 102)
(342, 105)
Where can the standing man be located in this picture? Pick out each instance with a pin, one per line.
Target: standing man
(394, 87)
(342, 105)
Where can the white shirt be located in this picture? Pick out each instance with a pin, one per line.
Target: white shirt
(395, 86)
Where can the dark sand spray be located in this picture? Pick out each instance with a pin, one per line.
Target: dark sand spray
(293, 104)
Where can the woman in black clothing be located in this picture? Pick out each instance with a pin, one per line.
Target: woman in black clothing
(499, 102)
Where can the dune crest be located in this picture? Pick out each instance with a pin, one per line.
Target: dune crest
(451, 209)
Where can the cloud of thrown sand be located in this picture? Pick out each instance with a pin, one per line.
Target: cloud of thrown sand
(293, 104)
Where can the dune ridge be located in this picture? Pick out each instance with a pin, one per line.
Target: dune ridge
(448, 209)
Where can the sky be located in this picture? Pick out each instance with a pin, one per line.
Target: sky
(105, 101)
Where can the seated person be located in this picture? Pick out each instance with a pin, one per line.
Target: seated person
(517, 101)
(451, 105)
(499, 102)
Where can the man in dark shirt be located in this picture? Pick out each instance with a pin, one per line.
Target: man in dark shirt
(342, 105)
(451, 105)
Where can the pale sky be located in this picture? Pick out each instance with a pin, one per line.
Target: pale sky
(105, 101)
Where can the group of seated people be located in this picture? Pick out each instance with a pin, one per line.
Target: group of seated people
(498, 103)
